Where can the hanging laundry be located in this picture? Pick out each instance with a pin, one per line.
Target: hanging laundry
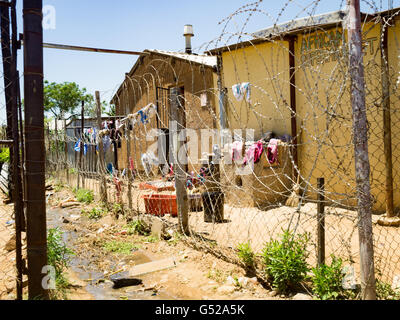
(242, 90)
(237, 93)
(78, 147)
(253, 154)
(237, 147)
(246, 91)
(272, 151)
(106, 143)
(203, 99)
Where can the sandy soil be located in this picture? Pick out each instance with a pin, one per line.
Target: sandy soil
(7, 258)
(198, 275)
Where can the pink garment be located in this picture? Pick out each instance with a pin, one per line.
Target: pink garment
(237, 147)
(272, 151)
(254, 153)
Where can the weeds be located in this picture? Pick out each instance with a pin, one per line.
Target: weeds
(120, 247)
(384, 291)
(84, 195)
(58, 258)
(137, 227)
(327, 281)
(94, 214)
(285, 261)
(245, 254)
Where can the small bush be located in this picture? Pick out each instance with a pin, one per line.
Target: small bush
(58, 257)
(285, 261)
(327, 280)
(384, 291)
(245, 254)
(84, 195)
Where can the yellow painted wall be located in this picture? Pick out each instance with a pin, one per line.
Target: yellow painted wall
(323, 105)
(261, 65)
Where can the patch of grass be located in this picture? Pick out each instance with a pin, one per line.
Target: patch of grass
(84, 195)
(245, 254)
(94, 214)
(151, 239)
(285, 261)
(120, 247)
(58, 257)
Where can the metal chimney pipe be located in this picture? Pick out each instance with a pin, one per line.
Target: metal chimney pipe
(188, 34)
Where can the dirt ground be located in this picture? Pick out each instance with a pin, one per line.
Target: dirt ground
(197, 275)
(7, 255)
(245, 224)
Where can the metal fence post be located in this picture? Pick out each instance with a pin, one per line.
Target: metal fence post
(362, 166)
(179, 164)
(35, 148)
(321, 221)
(102, 171)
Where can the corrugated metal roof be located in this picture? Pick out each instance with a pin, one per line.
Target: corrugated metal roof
(335, 17)
(200, 59)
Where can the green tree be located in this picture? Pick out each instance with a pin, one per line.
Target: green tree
(64, 99)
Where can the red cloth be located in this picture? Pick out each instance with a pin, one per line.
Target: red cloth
(272, 151)
(254, 152)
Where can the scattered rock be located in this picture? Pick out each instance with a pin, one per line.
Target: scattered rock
(273, 293)
(10, 245)
(74, 217)
(243, 282)
(301, 296)
(226, 290)
(65, 220)
(396, 283)
(253, 280)
(120, 281)
(230, 281)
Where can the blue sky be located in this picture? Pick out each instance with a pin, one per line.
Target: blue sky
(138, 25)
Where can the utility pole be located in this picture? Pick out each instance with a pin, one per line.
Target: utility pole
(362, 167)
(35, 150)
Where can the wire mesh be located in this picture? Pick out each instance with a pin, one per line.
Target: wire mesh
(236, 103)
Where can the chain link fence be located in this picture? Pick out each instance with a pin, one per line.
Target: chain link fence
(266, 115)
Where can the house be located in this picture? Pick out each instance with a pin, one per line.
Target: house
(299, 80)
(149, 83)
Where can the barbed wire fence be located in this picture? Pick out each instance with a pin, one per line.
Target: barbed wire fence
(269, 139)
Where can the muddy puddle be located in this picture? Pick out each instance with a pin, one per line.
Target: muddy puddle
(97, 283)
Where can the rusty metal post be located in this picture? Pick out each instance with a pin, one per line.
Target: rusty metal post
(293, 107)
(179, 164)
(362, 166)
(128, 149)
(102, 170)
(387, 130)
(35, 148)
(321, 221)
(8, 90)
(82, 146)
(17, 192)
